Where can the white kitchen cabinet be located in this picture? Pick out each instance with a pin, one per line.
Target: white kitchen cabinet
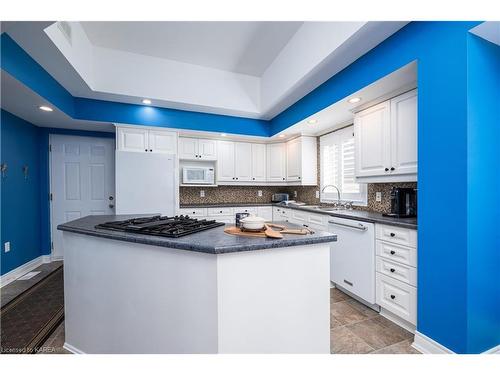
(197, 149)
(243, 161)
(225, 161)
(276, 162)
(258, 162)
(139, 139)
(386, 140)
(301, 160)
(265, 212)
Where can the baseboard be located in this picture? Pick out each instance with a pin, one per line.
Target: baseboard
(72, 349)
(23, 269)
(397, 320)
(426, 345)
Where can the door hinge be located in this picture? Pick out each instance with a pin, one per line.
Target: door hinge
(52, 245)
(50, 148)
(50, 197)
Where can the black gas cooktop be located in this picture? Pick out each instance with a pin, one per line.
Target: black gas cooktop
(175, 226)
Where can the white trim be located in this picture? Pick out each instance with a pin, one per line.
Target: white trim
(72, 349)
(426, 345)
(397, 320)
(494, 350)
(23, 269)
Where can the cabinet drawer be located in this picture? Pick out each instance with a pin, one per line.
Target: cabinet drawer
(318, 220)
(401, 236)
(220, 211)
(397, 297)
(250, 210)
(300, 216)
(399, 271)
(265, 212)
(398, 253)
(193, 211)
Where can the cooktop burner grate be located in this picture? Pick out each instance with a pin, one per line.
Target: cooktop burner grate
(175, 226)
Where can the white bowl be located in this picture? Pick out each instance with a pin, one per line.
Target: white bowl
(253, 222)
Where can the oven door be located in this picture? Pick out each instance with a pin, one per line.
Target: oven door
(192, 175)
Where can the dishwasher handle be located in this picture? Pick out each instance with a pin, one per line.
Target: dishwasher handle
(357, 227)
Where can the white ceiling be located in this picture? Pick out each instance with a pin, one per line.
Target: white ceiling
(239, 47)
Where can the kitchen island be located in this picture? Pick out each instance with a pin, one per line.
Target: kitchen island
(208, 292)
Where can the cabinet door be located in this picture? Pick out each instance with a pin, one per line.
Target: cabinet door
(225, 161)
(133, 139)
(404, 133)
(188, 148)
(276, 162)
(372, 138)
(293, 160)
(258, 162)
(243, 161)
(163, 142)
(207, 149)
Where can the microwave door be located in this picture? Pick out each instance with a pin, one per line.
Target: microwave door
(195, 176)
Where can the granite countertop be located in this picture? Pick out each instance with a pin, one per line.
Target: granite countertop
(212, 241)
(366, 216)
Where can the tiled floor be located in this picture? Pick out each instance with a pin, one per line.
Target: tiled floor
(354, 328)
(357, 329)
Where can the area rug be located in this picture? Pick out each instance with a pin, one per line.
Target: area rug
(27, 320)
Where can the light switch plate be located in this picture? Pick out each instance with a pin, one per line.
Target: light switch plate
(259, 193)
(7, 247)
(317, 193)
(202, 193)
(295, 194)
(378, 196)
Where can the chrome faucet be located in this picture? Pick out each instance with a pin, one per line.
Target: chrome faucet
(338, 191)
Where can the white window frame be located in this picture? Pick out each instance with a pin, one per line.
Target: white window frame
(337, 136)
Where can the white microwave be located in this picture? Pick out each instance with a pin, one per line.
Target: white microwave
(198, 175)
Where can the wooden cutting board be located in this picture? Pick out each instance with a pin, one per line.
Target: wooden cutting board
(238, 232)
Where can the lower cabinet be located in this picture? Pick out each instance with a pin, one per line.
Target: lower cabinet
(397, 297)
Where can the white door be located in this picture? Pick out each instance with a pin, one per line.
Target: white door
(132, 139)
(207, 149)
(276, 162)
(225, 161)
(82, 181)
(404, 133)
(293, 160)
(372, 138)
(161, 141)
(188, 148)
(258, 162)
(243, 161)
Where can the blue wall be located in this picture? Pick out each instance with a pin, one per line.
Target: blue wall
(20, 197)
(483, 274)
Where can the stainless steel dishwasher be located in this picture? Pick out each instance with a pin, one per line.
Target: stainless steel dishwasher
(352, 258)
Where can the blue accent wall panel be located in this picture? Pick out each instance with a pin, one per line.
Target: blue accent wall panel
(20, 197)
(483, 275)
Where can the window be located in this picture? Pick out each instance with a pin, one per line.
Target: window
(337, 167)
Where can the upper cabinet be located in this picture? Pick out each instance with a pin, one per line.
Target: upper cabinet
(197, 149)
(301, 160)
(386, 140)
(138, 139)
(276, 162)
(258, 162)
(240, 162)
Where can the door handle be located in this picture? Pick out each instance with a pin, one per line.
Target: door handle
(358, 227)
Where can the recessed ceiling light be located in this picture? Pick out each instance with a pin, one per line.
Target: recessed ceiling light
(45, 108)
(146, 101)
(312, 121)
(223, 134)
(354, 100)
(281, 136)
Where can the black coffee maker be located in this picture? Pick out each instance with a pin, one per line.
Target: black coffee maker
(403, 202)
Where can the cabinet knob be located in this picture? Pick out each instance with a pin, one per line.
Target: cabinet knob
(146, 150)
(236, 177)
(393, 270)
(393, 252)
(150, 150)
(393, 234)
(392, 168)
(386, 169)
(393, 296)
(283, 178)
(253, 178)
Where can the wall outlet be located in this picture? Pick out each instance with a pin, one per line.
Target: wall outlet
(317, 194)
(7, 247)
(202, 193)
(259, 193)
(378, 196)
(295, 194)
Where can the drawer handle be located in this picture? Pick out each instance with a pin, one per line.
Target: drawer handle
(393, 252)
(220, 211)
(393, 296)
(393, 234)
(348, 282)
(393, 270)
